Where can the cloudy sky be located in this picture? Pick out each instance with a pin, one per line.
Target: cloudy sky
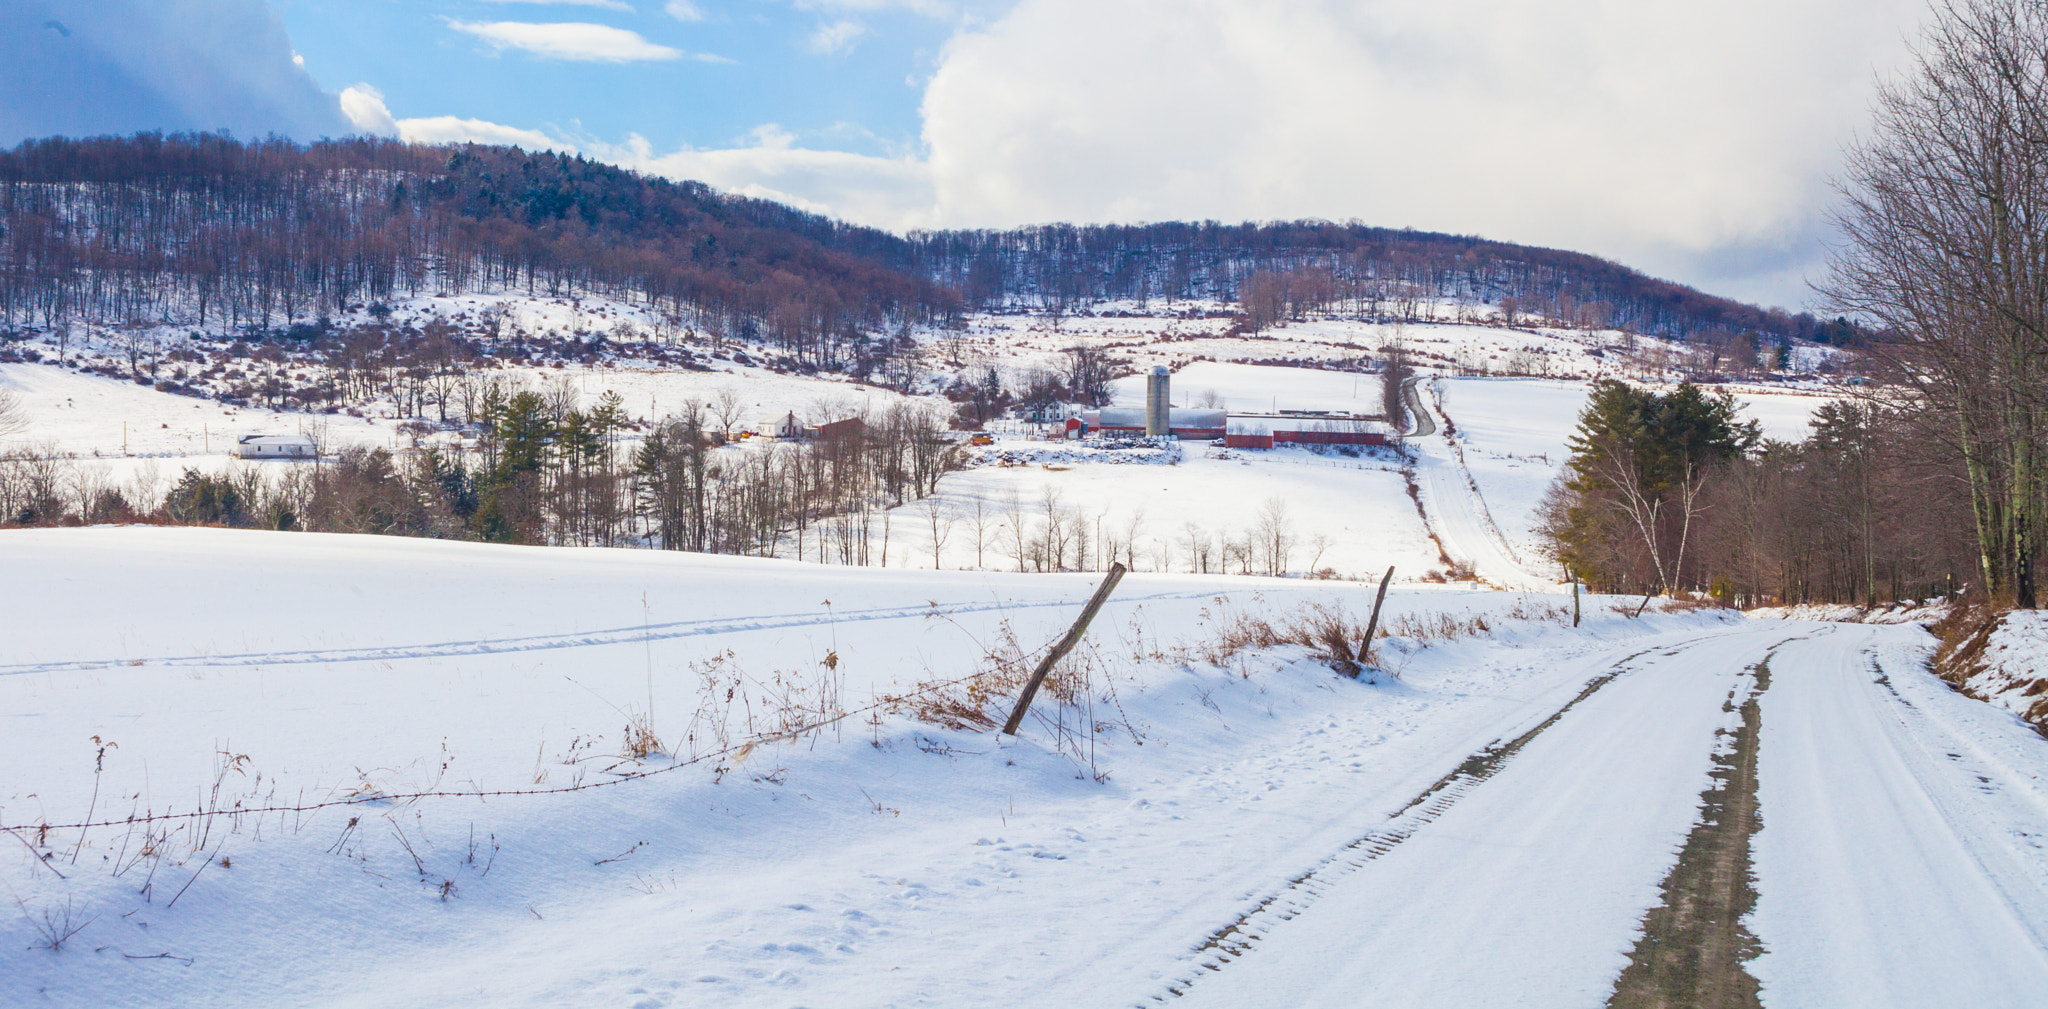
(1690, 140)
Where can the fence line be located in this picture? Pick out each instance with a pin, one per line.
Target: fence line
(406, 797)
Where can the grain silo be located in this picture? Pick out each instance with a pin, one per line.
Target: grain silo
(1158, 404)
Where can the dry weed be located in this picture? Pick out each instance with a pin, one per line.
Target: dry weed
(1327, 630)
(1428, 628)
(54, 924)
(640, 742)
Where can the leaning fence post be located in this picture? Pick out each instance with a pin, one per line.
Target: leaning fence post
(1372, 626)
(1060, 649)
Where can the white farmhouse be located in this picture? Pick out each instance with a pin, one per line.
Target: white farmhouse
(276, 446)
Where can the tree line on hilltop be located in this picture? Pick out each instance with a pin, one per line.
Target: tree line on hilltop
(1285, 270)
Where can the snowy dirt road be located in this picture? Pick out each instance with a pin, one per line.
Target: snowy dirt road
(1898, 864)
(1457, 513)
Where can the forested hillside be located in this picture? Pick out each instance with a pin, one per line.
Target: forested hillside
(1285, 269)
(223, 236)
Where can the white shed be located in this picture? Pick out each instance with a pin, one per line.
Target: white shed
(276, 446)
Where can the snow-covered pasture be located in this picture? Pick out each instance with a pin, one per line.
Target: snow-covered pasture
(1349, 514)
(875, 860)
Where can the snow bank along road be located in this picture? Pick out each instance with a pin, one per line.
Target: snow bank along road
(1491, 828)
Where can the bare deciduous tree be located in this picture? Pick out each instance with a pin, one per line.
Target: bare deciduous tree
(1945, 251)
(727, 404)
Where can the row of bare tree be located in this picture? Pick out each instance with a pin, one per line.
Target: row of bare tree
(1945, 221)
(549, 471)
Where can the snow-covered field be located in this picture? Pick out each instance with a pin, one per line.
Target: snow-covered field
(1251, 388)
(881, 860)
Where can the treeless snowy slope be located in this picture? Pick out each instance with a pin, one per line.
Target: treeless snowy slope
(1348, 515)
(1513, 432)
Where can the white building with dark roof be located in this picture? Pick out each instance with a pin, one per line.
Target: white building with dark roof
(276, 446)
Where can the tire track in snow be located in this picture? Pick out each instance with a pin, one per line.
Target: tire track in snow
(1235, 939)
(550, 642)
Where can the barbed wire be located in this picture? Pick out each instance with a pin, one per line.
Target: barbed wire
(797, 732)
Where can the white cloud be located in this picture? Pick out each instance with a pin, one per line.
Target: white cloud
(894, 193)
(836, 37)
(684, 10)
(117, 66)
(576, 41)
(456, 130)
(364, 106)
(929, 8)
(610, 5)
(1682, 137)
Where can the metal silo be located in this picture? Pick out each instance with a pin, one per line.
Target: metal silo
(1158, 404)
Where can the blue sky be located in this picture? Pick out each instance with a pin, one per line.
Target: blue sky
(1692, 141)
(847, 76)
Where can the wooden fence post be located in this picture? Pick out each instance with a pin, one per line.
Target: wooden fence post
(1372, 626)
(1064, 645)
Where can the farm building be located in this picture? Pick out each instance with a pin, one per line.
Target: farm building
(276, 446)
(840, 430)
(1302, 428)
(790, 429)
(1182, 422)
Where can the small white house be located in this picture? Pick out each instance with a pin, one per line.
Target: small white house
(276, 446)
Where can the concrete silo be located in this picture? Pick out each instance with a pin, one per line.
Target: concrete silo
(1158, 404)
